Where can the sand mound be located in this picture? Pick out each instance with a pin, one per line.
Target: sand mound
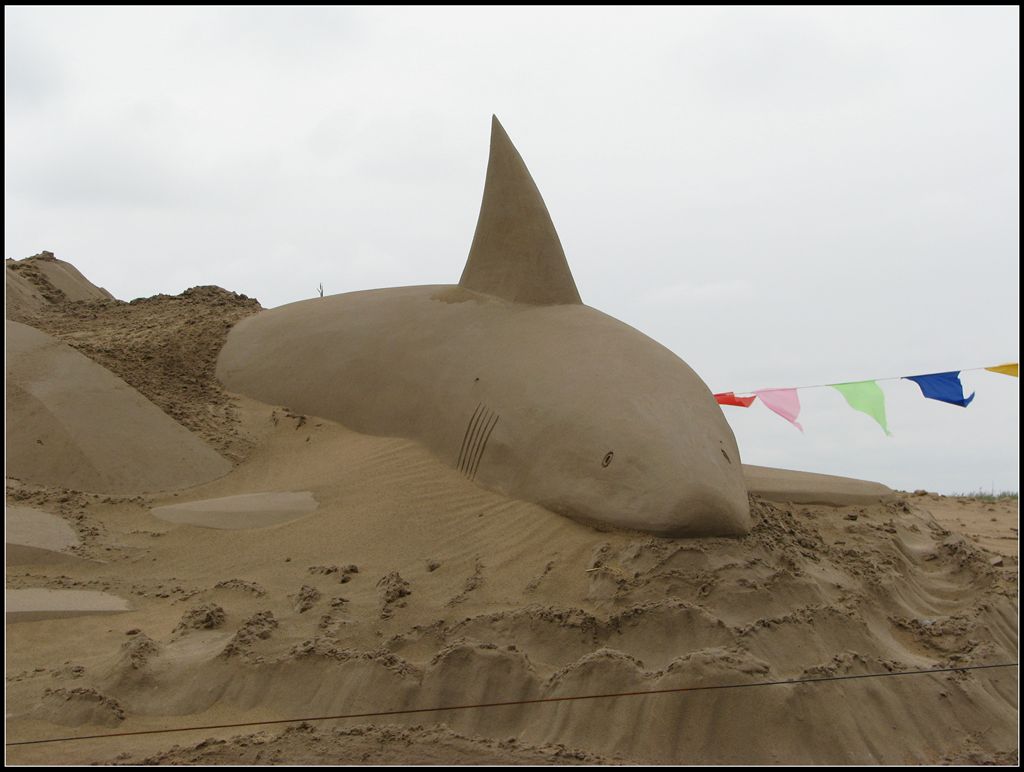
(33, 536)
(73, 423)
(35, 604)
(786, 485)
(249, 510)
(74, 707)
(43, 280)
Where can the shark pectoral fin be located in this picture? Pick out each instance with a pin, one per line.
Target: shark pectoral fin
(516, 254)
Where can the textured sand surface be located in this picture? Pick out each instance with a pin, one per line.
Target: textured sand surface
(992, 525)
(409, 586)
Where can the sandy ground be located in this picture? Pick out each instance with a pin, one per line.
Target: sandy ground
(409, 587)
(992, 525)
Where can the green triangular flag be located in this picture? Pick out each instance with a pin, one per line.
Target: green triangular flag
(867, 397)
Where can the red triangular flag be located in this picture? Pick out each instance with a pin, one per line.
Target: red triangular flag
(728, 398)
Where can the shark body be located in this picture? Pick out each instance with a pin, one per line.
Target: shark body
(509, 378)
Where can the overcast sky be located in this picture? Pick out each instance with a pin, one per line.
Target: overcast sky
(781, 196)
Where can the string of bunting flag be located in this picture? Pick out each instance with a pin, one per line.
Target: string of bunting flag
(865, 396)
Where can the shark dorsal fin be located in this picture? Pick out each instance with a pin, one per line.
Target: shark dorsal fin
(516, 254)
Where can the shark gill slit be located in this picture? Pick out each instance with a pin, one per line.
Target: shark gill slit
(483, 446)
(465, 436)
(474, 442)
(469, 433)
(474, 433)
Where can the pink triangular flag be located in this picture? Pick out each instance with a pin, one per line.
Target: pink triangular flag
(785, 402)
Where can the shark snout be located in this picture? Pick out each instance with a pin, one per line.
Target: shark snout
(712, 502)
(711, 511)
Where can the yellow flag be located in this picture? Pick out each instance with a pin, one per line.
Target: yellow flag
(1010, 369)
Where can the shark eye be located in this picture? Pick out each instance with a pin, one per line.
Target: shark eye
(607, 458)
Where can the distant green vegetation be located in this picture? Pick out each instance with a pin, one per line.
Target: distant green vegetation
(988, 495)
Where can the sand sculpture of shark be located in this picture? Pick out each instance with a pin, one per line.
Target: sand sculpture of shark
(510, 379)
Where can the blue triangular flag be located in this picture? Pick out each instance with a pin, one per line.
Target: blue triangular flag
(945, 387)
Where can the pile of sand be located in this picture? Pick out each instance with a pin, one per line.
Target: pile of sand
(164, 346)
(42, 280)
(409, 586)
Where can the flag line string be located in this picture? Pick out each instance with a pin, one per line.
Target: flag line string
(841, 383)
(539, 700)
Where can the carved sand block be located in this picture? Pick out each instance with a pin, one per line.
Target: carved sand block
(510, 379)
(74, 424)
(248, 510)
(33, 536)
(33, 604)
